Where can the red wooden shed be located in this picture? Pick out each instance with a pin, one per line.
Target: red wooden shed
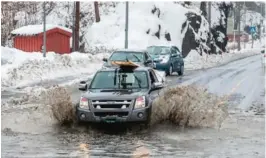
(30, 38)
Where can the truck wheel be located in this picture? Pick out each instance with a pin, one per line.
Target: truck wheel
(76, 118)
(148, 121)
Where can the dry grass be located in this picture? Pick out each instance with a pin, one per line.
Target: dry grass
(60, 101)
(189, 106)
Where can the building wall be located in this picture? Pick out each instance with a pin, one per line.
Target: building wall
(57, 42)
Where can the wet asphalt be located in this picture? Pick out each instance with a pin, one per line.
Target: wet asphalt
(31, 132)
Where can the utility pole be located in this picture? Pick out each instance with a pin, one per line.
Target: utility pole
(234, 21)
(264, 15)
(245, 22)
(73, 28)
(77, 19)
(126, 29)
(44, 31)
(261, 21)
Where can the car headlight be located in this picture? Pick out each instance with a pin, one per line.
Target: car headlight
(84, 103)
(140, 102)
(165, 59)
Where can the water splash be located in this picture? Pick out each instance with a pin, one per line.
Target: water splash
(60, 101)
(189, 106)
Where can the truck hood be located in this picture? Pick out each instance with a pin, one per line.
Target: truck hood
(114, 95)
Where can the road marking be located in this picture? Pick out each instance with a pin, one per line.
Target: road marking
(232, 91)
(237, 85)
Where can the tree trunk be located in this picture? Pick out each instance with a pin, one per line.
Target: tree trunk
(203, 8)
(96, 9)
(77, 26)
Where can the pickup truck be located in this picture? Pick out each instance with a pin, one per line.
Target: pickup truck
(119, 94)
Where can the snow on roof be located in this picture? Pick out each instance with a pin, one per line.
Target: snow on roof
(36, 29)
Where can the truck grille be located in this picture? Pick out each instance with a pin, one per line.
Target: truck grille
(104, 114)
(105, 104)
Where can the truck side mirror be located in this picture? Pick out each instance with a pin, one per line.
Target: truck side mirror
(83, 86)
(105, 59)
(157, 86)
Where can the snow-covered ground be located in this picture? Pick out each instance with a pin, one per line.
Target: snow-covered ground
(20, 68)
(141, 30)
(194, 61)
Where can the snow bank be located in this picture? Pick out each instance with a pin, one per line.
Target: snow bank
(36, 29)
(142, 30)
(215, 14)
(194, 61)
(20, 68)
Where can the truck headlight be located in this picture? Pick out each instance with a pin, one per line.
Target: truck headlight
(140, 102)
(84, 103)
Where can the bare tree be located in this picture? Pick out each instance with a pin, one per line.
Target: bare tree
(77, 26)
(97, 14)
(203, 8)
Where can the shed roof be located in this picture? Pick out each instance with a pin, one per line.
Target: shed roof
(36, 29)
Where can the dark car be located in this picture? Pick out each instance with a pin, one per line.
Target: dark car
(140, 57)
(118, 95)
(167, 58)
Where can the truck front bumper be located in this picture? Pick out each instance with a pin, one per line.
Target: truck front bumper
(112, 116)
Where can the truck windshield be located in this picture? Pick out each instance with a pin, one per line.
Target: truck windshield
(123, 56)
(158, 50)
(130, 80)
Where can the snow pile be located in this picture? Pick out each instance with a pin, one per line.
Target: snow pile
(231, 45)
(141, 30)
(189, 106)
(36, 29)
(194, 61)
(19, 68)
(216, 15)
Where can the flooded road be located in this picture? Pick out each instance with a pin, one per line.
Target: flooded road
(31, 131)
(239, 137)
